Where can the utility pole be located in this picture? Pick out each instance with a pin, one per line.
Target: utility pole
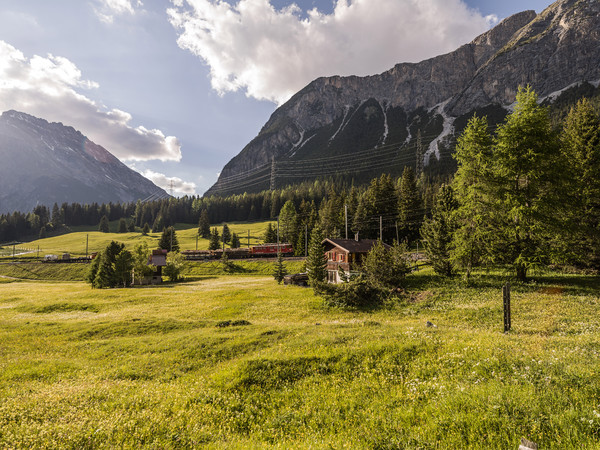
(87, 238)
(171, 239)
(248, 238)
(346, 215)
(278, 234)
(381, 228)
(397, 235)
(196, 242)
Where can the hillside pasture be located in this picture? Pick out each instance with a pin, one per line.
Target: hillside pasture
(241, 362)
(74, 242)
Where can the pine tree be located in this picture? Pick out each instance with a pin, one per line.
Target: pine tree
(103, 226)
(168, 240)
(42, 234)
(123, 266)
(235, 241)
(437, 232)
(288, 222)
(204, 225)
(122, 226)
(472, 183)
(410, 212)
(146, 229)
(270, 235)
(279, 269)
(131, 226)
(524, 195)
(316, 262)
(226, 234)
(214, 243)
(581, 155)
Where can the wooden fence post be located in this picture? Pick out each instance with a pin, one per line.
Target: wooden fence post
(506, 298)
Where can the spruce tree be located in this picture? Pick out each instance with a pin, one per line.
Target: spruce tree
(279, 269)
(122, 226)
(235, 241)
(123, 266)
(168, 240)
(146, 229)
(437, 232)
(410, 212)
(204, 225)
(270, 235)
(472, 183)
(214, 243)
(288, 223)
(226, 234)
(524, 197)
(42, 234)
(316, 262)
(103, 225)
(580, 141)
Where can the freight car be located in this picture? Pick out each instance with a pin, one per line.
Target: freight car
(256, 251)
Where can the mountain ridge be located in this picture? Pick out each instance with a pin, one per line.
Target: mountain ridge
(423, 99)
(48, 162)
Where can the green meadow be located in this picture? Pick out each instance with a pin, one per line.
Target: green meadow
(230, 361)
(75, 241)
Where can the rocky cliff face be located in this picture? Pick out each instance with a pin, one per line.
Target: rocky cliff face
(418, 107)
(44, 163)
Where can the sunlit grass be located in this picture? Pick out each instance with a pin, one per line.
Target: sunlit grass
(75, 242)
(157, 366)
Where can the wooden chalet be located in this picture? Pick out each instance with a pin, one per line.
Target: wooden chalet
(346, 254)
(158, 259)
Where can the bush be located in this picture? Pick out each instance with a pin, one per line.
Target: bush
(353, 294)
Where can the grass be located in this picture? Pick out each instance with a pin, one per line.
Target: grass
(75, 242)
(240, 362)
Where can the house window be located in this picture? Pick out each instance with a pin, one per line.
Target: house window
(342, 257)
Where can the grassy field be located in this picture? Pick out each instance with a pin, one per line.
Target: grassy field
(240, 362)
(75, 242)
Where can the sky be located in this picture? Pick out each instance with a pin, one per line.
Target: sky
(176, 88)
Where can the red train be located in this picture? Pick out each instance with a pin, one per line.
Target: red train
(256, 251)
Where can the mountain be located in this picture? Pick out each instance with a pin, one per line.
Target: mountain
(359, 127)
(44, 163)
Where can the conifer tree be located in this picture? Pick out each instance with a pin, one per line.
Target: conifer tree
(580, 141)
(146, 229)
(214, 243)
(410, 212)
(270, 235)
(122, 226)
(103, 225)
(168, 240)
(235, 241)
(226, 234)
(204, 225)
(316, 262)
(123, 266)
(279, 270)
(437, 232)
(288, 223)
(472, 182)
(42, 234)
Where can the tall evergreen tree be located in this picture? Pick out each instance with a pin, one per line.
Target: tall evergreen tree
(471, 183)
(410, 211)
(204, 225)
(581, 157)
(226, 234)
(214, 242)
(288, 223)
(270, 235)
(103, 225)
(279, 269)
(168, 240)
(235, 241)
(122, 226)
(316, 262)
(437, 232)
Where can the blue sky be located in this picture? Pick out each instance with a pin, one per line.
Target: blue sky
(177, 88)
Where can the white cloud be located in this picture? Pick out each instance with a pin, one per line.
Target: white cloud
(271, 54)
(108, 9)
(165, 182)
(50, 88)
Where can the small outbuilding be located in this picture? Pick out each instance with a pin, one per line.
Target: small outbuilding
(158, 259)
(346, 254)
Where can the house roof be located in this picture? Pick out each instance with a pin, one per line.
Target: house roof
(354, 246)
